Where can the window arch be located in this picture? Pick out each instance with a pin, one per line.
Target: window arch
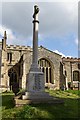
(47, 68)
(75, 75)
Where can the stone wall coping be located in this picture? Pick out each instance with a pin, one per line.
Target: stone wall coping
(68, 59)
(49, 50)
(18, 47)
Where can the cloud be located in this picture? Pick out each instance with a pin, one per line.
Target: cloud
(12, 38)
(58, 23)
(60, 53)
(79, 45)
(17, 17)
(58, 20)
(10, 35)
(76, 41)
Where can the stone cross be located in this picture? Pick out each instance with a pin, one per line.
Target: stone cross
(35, 83)
(34, 66)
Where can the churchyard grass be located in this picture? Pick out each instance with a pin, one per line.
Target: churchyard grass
(69, 110)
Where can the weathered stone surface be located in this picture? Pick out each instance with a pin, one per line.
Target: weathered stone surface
(35, 82)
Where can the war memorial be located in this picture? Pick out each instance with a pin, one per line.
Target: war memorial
(35, 68)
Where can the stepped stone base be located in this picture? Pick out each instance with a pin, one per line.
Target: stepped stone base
(35, 98)
(35, 91)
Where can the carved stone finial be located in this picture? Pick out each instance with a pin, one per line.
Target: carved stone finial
(36, 10)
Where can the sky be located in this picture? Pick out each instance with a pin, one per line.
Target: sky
(58, 27)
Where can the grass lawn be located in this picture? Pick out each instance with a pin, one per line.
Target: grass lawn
(69, 110)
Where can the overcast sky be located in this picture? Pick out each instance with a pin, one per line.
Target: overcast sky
(58, 28)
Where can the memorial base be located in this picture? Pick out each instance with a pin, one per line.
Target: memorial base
(35, 82)
(36, 88)
(36, 98)
(35, 92)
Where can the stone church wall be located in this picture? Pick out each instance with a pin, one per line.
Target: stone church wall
(43, 53)
(22, 57)
(55, 59)
(71, 65)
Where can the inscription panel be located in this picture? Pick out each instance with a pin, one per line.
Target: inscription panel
(37, 82)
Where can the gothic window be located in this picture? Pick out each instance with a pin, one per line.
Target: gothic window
(75, 75)
(46, 68)
(9, 57)
(50, 76)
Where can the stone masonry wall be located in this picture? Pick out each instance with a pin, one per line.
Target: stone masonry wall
(55, 59)
(26, 52)
(43, 53)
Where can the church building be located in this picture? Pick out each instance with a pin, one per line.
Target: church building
(15, 62)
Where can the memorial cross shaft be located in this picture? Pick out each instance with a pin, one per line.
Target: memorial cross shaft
(35, 82)
(35, 39)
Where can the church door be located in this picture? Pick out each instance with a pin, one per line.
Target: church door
(13, 77)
